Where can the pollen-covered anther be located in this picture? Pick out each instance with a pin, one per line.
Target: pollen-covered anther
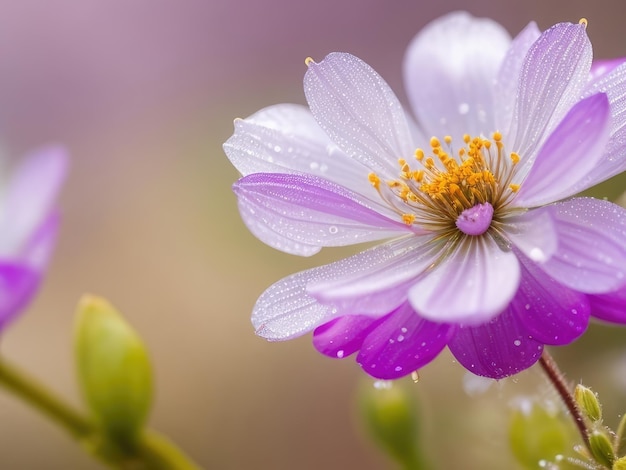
(374, 180)
(408, 218)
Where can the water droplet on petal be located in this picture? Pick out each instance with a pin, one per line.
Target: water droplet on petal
(464, 108)
(333, 229)
(340, 353)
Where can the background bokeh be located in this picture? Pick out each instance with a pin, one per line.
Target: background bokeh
(143, 93)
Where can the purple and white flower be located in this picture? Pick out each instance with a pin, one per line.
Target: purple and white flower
(484, 249)
(28, 227)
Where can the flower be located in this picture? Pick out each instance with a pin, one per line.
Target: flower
(483, 249)
(28, 227)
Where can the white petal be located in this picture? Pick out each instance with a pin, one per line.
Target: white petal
(359, 112)
(553, 75)
(285, 138)
(471, 286)
(533, 233)
(507, 81)
(449, 72)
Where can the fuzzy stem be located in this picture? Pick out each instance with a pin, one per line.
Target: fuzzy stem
(556, 377)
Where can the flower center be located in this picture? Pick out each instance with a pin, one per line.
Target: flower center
(448, 190)
(475, 220)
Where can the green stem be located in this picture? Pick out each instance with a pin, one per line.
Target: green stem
(34, 394)
(556, 377)
(151, 452)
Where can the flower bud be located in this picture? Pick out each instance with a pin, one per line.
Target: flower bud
(588, 403)
(619, 464)
(113, 370)
(538, 433)
(390, 413)
(601, 448)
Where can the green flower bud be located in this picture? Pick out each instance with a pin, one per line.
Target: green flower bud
(538, 433)
(113, 370)
(619, 464)
(390, 413)
(601, 448)
(588, 403)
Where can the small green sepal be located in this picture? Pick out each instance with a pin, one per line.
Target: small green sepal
(601, 448)
(113, 371)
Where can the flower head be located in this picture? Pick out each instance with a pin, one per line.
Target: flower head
(28, 227)
(483, 248)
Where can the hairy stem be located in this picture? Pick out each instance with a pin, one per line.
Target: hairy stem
(556, 377)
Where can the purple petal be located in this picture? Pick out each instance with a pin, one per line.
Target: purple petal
(472, 285)
(377, 280)
(533, 233)
(30, 196)
(551, 313)
(402, 343)
(286, 139)
(569, 154)
(496, 349)
(359, 112)
(610, 307)
(343, 336)
(552, 77)
(449, 70)
(295, 212)
(591, 256)
(507, 81)
(18, 285)
(612, 83)
(601, 68)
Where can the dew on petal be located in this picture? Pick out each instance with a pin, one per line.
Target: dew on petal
(464, 108)
(340, 353)
(517, 342)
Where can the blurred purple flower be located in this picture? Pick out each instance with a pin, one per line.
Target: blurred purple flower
(28, 227)
(487, 252)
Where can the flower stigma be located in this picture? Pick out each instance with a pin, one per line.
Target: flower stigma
(463, 190)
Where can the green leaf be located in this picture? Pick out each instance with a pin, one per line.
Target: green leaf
(113, 371)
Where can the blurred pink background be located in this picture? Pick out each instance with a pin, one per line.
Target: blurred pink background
(143, 93)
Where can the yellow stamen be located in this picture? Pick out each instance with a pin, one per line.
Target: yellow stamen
(514, 158)
(408, 218)
(308, 61)
(584, 22)
(374, 180)
(514, 187)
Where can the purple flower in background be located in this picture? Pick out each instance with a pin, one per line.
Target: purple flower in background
(485, 251)
(28, 227)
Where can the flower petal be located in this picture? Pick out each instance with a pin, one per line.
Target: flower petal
(377, 280)
(288, 308)
(533, 233)
(285, 138)
(507, 81)
(569, 154)
(30, 196)
(402, 343)
(496, 349)
(359, 112)
(449, 70)
(552, 77)
(18, 284)
(613, 83)
(38, 250)
(472, 285)
(550, 312)
(308, 211)
(610, 307)
(343, 336)
(591, 256)
(601, 68)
